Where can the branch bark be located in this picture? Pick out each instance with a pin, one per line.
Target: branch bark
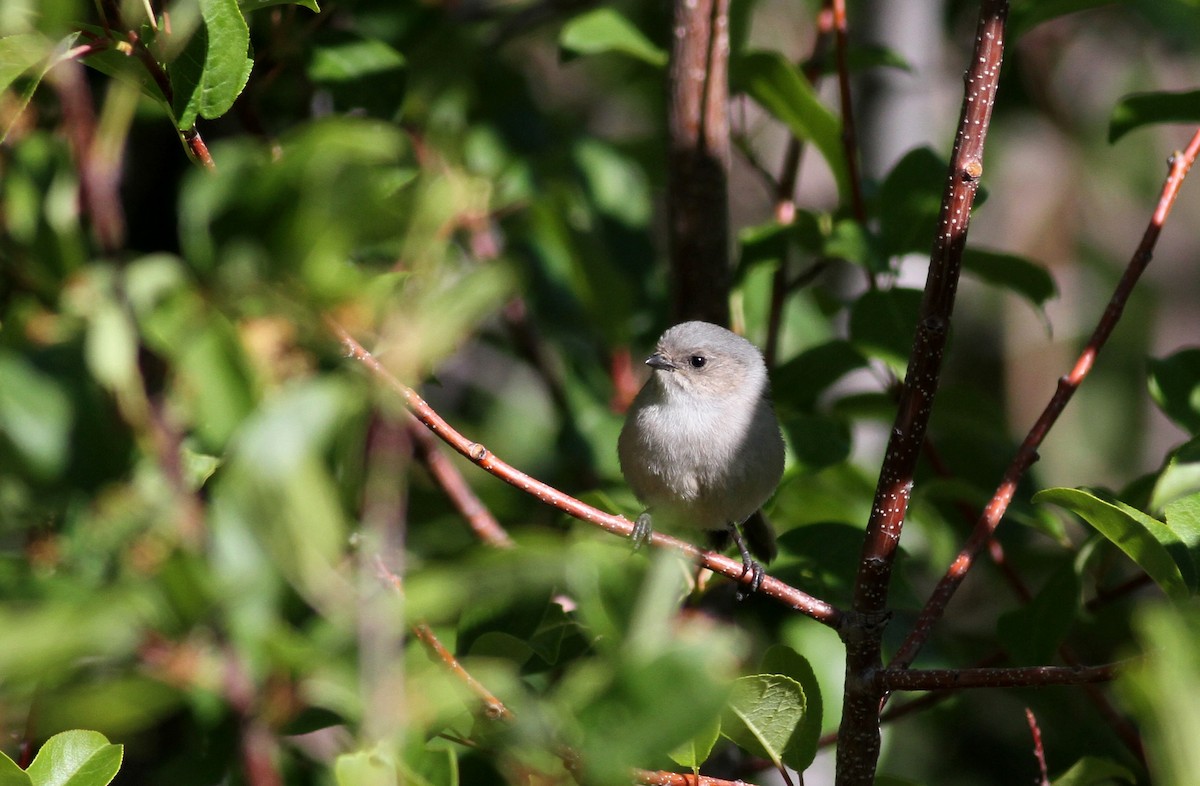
(698, 161)
(1180, 163)
(618, 525)
(858, 748)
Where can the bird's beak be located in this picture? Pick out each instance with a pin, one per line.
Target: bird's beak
(659, 362)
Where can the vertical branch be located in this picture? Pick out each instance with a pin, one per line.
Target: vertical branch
(858, 749)
(698, 161)
(985, 528)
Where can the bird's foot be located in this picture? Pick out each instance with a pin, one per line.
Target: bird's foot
(643, 528)
(748, 565)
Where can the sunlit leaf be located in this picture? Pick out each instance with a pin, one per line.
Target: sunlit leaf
(11, 774)
(779, 87)
(76, 758)
(765, 715)
(253, 5)
(606, 30)
(213, 69)
(1148, 542)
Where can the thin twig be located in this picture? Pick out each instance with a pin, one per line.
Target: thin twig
(985, 528)
(661, 778)
(446, 475)
(858, 750)
(771, 587)
(1018, 677)
(1039, 751)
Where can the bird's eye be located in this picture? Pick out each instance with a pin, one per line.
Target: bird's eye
(697, 361)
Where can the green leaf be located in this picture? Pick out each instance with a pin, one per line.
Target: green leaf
(1183, 518)
(1175, 387)
(214, 67)
(1026, 14)
(254, 5)
(1161, 690)
(765, 715)
(1140, 109)
(359, 73)
(799, 383)
(851, 241)
(1094, 771)
(783, 660)
(617, 183)
(910, 199)
(1179, 478)
(695, 751)
(76, 758)
(818, 440)
(606, 30)
(1148, 542)
(883, 322)
(20, 53)
(366, 768)
(35, 416)
(11, 774)
(1017, 274)
(1031, 634)
(779, 87)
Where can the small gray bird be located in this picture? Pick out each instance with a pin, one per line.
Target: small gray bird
(701, 446)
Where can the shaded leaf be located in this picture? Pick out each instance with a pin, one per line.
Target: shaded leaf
(1141, 109)
(910, 199)
(606, 30)
(1175, 387)
(1027, 14)
(695, 751)
(359, 72)
(1017, 274)
(817, 440)
(799, 383)
(20, 53)
(1094, 771)
(782, 659)
(883, 322)
(779, 87)
(1148, 542)
(1031, 634)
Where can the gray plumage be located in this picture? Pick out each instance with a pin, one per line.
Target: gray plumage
(701, 446)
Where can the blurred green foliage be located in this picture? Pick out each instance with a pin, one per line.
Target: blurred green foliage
(215, 533)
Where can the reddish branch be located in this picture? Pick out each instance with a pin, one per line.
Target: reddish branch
(652, 778)
(443, 471)
(698, 161)
(1039, 751)
(858, 748)
(849, 134)
(1180, 163)
(800, 601)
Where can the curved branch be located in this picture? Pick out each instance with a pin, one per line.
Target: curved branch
(819, 610)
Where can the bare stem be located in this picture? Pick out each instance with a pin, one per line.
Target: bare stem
(618, 525)
(858, 748)
(1026, 455)
(1021, 677)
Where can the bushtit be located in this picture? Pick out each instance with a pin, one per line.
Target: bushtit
(701, 447)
